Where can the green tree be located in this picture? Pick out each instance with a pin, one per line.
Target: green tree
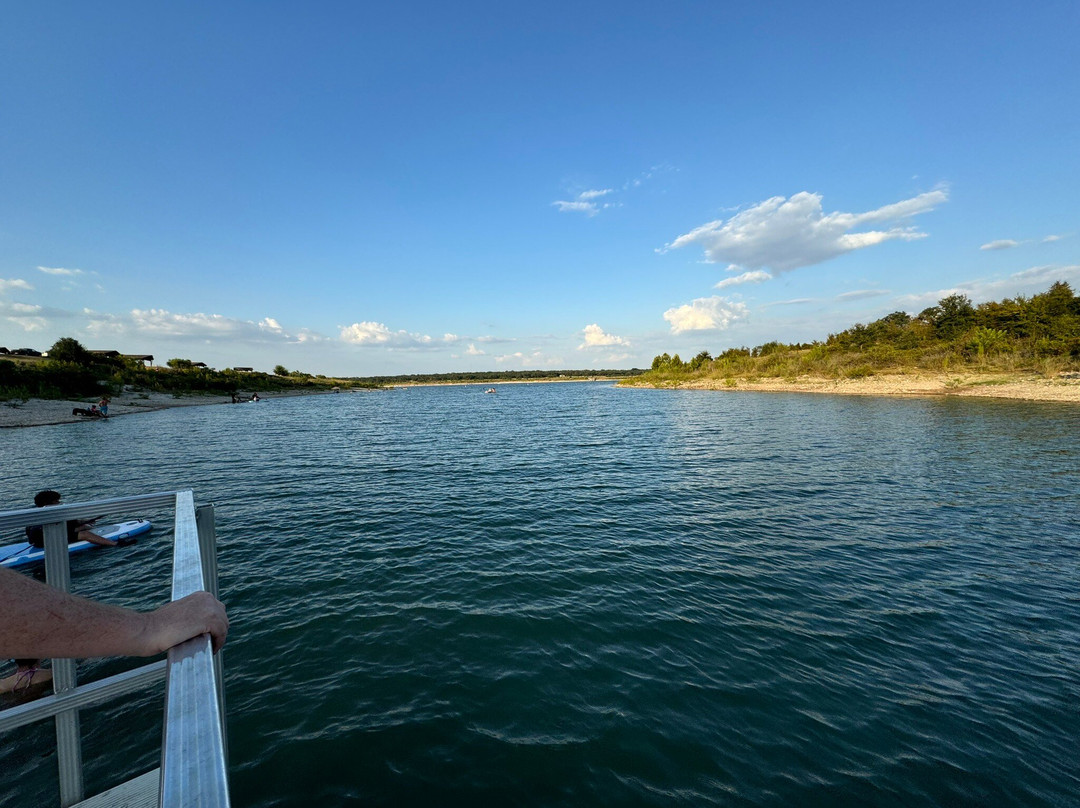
(281, 370)
(180, 364)
(69, 349)
(698, 361)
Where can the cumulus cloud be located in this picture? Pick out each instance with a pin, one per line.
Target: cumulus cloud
(1051, 238)
(754, 276)
(472, 350)
(1000, 244)
(705, 314)
(378, 334)
(14, 283)
(69, 273)
(785, 234)
(596, 338)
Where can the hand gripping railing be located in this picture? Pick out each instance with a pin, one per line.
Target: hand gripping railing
(193, 758)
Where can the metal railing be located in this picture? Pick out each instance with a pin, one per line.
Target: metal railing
(193, 750)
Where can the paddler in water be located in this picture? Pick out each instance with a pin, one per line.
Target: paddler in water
(76, 530)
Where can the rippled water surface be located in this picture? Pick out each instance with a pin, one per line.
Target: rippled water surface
(578, 595)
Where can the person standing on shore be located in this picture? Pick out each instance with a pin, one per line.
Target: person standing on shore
(103, 406)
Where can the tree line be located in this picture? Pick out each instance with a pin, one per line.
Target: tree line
(1039, 333)
(71, 371)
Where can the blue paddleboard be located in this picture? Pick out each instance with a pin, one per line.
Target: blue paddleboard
(22, 553)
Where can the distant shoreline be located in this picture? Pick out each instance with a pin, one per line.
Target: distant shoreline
(500, 382)
(963, 385)
(50, 412)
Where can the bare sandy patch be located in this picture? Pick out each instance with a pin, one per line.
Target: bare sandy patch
(1028, 388)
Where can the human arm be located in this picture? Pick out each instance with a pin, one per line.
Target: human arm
(38, 621)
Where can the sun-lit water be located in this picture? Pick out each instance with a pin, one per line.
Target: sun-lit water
(578, 595)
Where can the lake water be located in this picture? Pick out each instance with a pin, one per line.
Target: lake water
(577, 595)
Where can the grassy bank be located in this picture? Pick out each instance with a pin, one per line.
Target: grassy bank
(1037, 336)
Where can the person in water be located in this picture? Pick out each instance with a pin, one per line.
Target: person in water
(103, 407)
(76, 530)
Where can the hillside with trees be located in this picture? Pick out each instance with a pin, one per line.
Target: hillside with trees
(72, 372)
(1038, 334)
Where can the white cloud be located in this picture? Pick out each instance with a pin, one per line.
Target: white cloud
(15, 283)
(70, 273)
(160, 323)
(371, 333)
(534, 358)
(705, 314)
(583, 202)
(25, 308)
(596, 338)
(863, 294)
(755, 276)
(29, 323)
(1000, 244)
(784, 234)
(1051, 238)
(472, 350)
(1026, 282)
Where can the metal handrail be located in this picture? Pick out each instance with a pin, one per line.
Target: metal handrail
(193, 747)
(193, 769)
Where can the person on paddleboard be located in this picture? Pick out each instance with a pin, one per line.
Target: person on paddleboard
(76, 530)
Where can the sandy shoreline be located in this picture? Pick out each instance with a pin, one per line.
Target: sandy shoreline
(41, 412)
(991, 385)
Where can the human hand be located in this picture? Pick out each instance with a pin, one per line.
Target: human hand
(180, 620)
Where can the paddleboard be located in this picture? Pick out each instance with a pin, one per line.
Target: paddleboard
(22, 553)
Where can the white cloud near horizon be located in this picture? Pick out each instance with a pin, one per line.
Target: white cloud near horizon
(1000, 244)
(15, 283)
(1028, 281)
(472, 350)
(378, 334)
(754, 276)
(595, 337)
(714, 313)
(863, 294)
(784, 234)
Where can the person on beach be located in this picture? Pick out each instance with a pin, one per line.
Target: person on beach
(43, 622)
(76, 530)
(103, 407)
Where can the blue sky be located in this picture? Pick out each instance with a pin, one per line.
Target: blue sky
(361, 189)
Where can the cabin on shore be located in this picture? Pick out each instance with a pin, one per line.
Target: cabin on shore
(144, 358)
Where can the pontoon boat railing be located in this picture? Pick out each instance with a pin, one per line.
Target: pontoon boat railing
(193, 750)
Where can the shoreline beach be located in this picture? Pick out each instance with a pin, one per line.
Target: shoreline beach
(50, 412)
(963, 385)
